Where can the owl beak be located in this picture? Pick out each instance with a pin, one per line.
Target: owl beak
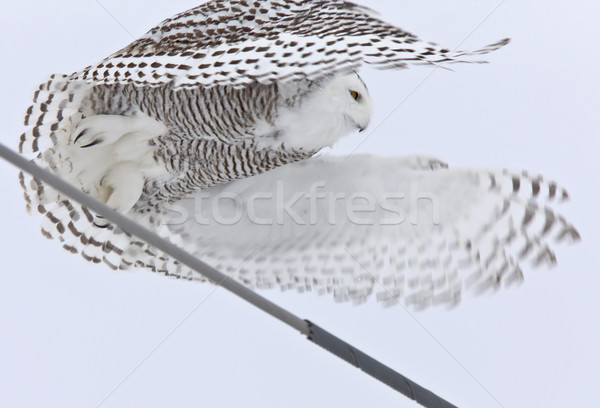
(362, 126)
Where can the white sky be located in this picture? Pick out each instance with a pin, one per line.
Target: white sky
(72, 331)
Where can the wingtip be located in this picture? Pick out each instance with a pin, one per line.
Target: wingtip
(495, 46)
(504, 42)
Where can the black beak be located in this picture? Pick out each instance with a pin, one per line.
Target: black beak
(360, 130)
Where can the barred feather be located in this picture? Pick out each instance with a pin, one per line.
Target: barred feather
(237, 42)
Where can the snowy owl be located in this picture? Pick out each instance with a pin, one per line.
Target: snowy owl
(206, 130)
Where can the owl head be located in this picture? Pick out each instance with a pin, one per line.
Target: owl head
(347, 99)
(333, 108)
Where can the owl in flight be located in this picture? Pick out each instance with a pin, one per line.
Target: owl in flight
(208, 128)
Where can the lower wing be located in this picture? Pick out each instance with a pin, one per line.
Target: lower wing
(407, 229)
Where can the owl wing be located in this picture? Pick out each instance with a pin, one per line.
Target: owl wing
(409, 230)
(238, 42)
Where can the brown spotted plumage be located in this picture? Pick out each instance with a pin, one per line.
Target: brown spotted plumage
(238, 42)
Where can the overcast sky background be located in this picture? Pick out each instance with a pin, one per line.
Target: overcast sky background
(73, 331)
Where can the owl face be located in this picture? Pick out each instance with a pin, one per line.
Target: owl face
(331, 110)
(350, 101)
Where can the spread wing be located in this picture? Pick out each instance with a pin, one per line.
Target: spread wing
(405, 229)
(408, 230)
(238, 42)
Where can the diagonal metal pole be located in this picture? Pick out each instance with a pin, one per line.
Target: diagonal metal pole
(313, 332)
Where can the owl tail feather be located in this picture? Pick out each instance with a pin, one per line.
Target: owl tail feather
(57, 105)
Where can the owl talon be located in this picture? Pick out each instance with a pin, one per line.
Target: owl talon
(84, 139)
(82, 133)
(436, 164)
(100, 222)
(93, 143)
(423, 163)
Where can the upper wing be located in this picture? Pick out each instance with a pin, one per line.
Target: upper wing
(397, 227)
(237, 42)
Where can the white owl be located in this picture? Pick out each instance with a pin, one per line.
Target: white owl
(207, 127)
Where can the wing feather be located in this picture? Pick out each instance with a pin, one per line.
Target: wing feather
(367, 225)
(375, 225)
(238, 42)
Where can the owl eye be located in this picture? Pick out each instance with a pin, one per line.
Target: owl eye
(355, 95)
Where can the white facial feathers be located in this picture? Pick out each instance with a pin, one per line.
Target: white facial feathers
(338, 107)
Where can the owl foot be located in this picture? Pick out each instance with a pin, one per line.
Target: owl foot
(102, 129)
(423, 163)
(108, 129)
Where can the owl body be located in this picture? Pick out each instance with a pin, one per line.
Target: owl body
(228, 103)
(131, 146)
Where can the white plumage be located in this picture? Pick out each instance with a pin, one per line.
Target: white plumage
(226, 104)
(405, 228)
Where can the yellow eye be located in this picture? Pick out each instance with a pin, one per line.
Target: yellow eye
(355, 95)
